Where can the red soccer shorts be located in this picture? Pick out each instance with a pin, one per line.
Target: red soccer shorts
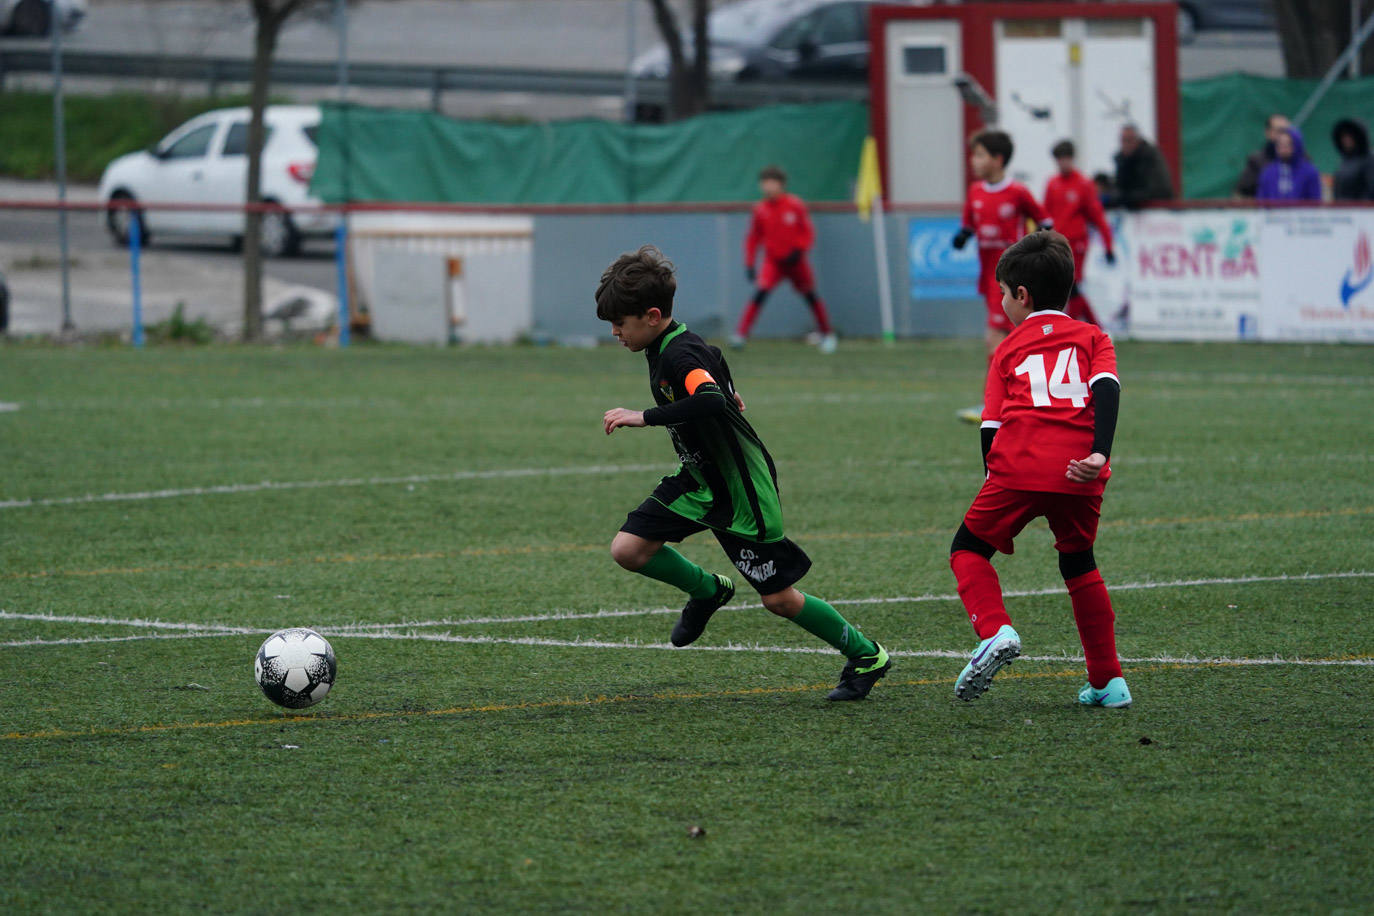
(799, 274)
(998, 515)
(997, 319)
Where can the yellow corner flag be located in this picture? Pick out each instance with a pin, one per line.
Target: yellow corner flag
(869, 187)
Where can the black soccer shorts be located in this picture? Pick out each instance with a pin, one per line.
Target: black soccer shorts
(769, 568)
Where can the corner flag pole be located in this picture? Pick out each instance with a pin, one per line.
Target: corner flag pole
(868, 198)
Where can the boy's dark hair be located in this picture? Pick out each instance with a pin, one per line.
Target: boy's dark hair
(996, 142)
(774, 172)
(1042, 262)
(1063, 150)
(634, 283)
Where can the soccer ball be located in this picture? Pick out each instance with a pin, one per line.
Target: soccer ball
(295, 668)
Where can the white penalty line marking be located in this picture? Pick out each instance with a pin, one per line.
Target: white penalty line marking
(543, 642)
(267, 485)
(388, 630)
(556, 616)
(850, 602)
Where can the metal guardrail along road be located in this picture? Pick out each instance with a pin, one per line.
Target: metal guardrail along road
(437, 79)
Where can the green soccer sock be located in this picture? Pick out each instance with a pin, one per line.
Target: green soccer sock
(681, 573)
(820, 619)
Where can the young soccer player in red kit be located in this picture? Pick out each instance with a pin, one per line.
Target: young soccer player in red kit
(782, 227)
(996, 211)
(1049, 416)
(1072, 202)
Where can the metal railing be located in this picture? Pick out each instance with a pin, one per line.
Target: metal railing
(217, 72)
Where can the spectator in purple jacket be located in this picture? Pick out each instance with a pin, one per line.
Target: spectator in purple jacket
(1291, 176)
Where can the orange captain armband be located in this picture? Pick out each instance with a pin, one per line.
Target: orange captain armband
(696, 378)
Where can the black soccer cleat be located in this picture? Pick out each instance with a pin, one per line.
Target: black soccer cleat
(860, 674)
(698, 611)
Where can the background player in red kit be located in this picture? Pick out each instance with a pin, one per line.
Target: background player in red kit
(783, 228)
(1072, 202)
(997, 211)
(1049, 417)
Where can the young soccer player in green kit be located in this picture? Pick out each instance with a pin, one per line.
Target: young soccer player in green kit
(727, 483)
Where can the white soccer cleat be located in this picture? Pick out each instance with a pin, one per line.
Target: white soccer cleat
(992, 655)
(828, 344)
(736, 342)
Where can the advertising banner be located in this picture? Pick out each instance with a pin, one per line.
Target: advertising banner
(937, 270)
(1318, 275)
(1194, 275)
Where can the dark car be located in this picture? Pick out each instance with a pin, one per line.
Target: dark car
(1196, 15)
(779, 39)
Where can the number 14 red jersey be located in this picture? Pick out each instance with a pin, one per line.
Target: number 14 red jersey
(1038, 398)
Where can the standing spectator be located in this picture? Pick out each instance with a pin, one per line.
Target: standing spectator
(1248, 183)
(1071, 200)
(1354, 178)
(1141, 172)
(782, 227)
(1291, 176)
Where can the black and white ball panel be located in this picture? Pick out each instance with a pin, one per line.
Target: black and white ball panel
(295, 668)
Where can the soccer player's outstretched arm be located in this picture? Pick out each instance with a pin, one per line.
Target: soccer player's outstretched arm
(705, 399)
(994, 393)
(1031, 207)
(965, 226)
(1106, 392)
(1092, 208)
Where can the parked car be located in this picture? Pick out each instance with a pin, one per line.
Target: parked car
(1196, 15)
(34, 17)
(776, 39)
(205, 161)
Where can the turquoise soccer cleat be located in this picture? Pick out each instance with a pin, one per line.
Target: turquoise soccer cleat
(1116, 695)
(992, 654)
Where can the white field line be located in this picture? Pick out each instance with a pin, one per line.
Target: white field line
(1186, 660)
(849, 602)
(233, 488)
(556, 616)
(125, 622)
(388, 630)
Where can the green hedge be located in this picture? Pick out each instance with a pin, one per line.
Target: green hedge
(99, 128)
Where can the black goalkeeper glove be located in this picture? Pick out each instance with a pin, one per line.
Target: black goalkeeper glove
(961, 238)
(792, 259)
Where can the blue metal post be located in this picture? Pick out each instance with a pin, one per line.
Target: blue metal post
(341, 260)
(135, 250)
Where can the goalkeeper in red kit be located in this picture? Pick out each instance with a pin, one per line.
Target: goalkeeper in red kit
(1049, 417)
(782, 227)
(1072, 201)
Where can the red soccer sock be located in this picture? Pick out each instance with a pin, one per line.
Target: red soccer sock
(746, 321)
(1092, 611)
(822, 314)
(1080, 308)
(981, 592)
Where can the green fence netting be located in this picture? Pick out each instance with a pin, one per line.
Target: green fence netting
(393, 155)
(1223, 122)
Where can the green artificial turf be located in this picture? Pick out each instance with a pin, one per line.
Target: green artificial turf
(475, 762)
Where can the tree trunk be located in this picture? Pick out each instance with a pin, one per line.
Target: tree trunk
(1315, 32)
(689, 83)
(701, 63)
(264, 44)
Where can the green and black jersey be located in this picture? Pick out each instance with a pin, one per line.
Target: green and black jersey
(727, 480)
